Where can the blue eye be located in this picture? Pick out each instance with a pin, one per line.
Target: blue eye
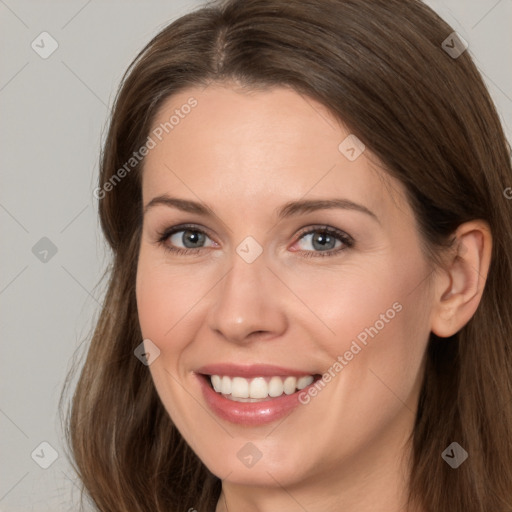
(191, 237)
(325, 240)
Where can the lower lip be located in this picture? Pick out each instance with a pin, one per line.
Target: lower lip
(249, 413)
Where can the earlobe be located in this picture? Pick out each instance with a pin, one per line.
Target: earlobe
(460, 284)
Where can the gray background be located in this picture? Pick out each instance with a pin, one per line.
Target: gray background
(53, 115)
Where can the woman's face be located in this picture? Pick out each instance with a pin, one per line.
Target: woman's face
(303, 262)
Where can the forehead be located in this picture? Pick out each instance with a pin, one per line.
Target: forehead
(260, 147)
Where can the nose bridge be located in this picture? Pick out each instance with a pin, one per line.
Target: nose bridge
(247, 298)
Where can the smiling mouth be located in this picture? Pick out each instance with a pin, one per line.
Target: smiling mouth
(258, 389)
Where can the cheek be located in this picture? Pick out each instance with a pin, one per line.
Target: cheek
(376, 326)
(165, 299)
(376, 353)
(361, 301)
(153, 305)
(164, 306)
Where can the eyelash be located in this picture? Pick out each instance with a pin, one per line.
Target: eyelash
(343, 237)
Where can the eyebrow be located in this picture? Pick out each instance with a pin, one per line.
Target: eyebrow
(287, 210)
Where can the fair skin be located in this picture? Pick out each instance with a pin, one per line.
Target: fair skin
(246, 154)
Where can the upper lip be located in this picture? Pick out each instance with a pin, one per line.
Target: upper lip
(250, 370)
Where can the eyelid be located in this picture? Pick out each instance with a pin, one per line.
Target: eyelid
(346, 240)
(341, 235)
(325, 228)
(167, 232)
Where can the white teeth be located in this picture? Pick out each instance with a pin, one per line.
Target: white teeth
(217, 383)
(258, 388)
(241, 389)
(226, 386)
(275, 387)
(304, 382)
(290, 383)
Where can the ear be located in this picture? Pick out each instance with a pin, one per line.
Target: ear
(460, 283)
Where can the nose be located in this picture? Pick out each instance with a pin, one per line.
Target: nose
(248, 303)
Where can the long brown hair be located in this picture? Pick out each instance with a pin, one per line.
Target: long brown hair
(380, 67)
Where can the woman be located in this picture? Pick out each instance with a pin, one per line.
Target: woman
(308, 306)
